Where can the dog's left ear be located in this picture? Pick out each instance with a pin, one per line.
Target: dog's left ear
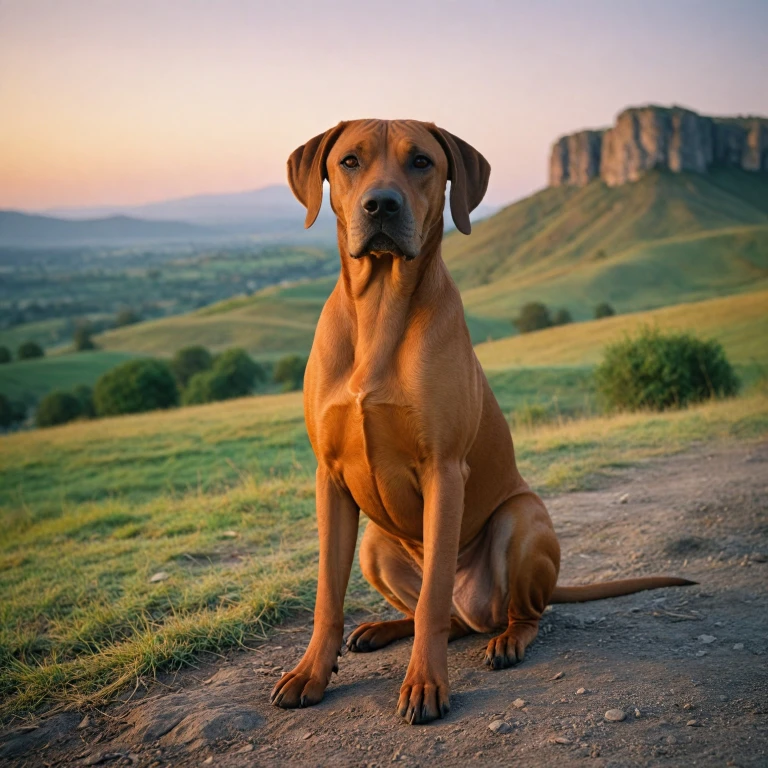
(468, 172)
(307, 171)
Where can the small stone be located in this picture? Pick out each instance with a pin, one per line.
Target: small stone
(558, 676)
(694, 724)
(738, 646)
(307, 735)
(247, 748)
(159, 576)
(581, 691)
(687, 705)
(638, 713)
(615, 715)
(500, 726)
(671, 740)
(758, 557)
(702, 653)
(518, 703)
(84, 723)
(624, 498)
(561, 740)
(230, 534)
(208, 760)
(706, 639)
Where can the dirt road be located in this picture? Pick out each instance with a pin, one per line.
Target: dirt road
(686, 667)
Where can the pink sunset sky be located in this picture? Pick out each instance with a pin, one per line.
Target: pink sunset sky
(130, 101)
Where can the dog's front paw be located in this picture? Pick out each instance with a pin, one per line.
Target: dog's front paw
(423, 698)
(298, 689)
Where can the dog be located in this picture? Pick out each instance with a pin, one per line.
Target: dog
(406, 428)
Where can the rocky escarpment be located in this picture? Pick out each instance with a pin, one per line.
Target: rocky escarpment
(650, 137)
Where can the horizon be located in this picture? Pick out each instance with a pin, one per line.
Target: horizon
(134, 103)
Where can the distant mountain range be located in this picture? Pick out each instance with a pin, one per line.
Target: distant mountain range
(270, 214)
(31, 230)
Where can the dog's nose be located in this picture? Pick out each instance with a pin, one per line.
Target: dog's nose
(382, 203)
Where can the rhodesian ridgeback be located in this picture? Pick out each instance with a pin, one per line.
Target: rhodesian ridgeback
(406, 428)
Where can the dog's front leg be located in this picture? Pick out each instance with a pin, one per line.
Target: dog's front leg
(425, 692)
(337, 521)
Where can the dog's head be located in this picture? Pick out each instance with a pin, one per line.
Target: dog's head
(387, 180)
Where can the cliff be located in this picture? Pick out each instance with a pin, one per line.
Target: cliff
(673, 138)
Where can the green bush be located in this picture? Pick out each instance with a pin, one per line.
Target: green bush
(84, 395)
(659, 371)
(135, 386)
(189, 361)
(5, 355)
(82, 339)
(234, 374)
(57, 408)
(289, 371)
(127, 316)
(604, 310)
(30, 350)
(562, 317)
(534, 316)
(6, 412)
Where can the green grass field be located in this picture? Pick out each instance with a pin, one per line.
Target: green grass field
(739, 322)
(220, 499)
(31, 379)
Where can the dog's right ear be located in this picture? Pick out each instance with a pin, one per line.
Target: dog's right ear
(307, 171)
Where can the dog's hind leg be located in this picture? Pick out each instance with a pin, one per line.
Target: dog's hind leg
(391, 570)
(533, 563)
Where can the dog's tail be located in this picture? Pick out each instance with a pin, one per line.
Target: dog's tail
(604, 589)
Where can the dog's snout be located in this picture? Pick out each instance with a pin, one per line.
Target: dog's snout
(382, 203)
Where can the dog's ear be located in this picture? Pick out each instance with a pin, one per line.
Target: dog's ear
(307, 171)
(468, 172)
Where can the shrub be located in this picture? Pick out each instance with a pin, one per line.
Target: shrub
(30, 350)
(135, 386)
(562, 317)
(533, 317)
(127, 316)
(289, 372)
(57, 408)
(82, 339)
(84, 395)
(659, 371)
(604, 310)
(5, 355)
(234, 374)
(189, 361)
(6, 412)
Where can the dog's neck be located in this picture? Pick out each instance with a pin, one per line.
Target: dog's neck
(383, 295)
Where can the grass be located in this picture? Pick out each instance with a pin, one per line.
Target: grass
(31, 379)
(739, 322)
(219, 498)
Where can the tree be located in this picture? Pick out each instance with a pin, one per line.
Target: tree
(5, 355)
(6, 412)
(234, 374)
(135, 386)
(189, 361)
(82, 339)
(289, 372)
(127, 316)
(604, 310)
(84, 395)
(562, 317)
(533, 317)
(30, 350)
(57, 408)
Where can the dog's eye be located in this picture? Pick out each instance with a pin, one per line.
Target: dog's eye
(350, 161)
(421, 162)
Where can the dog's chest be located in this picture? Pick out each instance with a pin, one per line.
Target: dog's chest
(372, 444)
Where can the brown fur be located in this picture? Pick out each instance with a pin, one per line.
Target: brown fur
(406, 428)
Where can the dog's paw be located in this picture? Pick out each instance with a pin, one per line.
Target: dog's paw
(508, 649)
(298, 689)
(377, 634)
(423, 700)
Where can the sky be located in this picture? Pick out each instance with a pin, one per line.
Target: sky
(107, 102)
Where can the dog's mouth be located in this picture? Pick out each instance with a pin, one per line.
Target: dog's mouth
(381, 243)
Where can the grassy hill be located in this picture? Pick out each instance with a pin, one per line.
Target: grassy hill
(739, 322)
(666, 239)
(31, 379)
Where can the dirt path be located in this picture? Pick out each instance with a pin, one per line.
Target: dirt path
(688, 666)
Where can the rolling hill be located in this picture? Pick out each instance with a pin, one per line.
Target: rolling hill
(29, 230)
